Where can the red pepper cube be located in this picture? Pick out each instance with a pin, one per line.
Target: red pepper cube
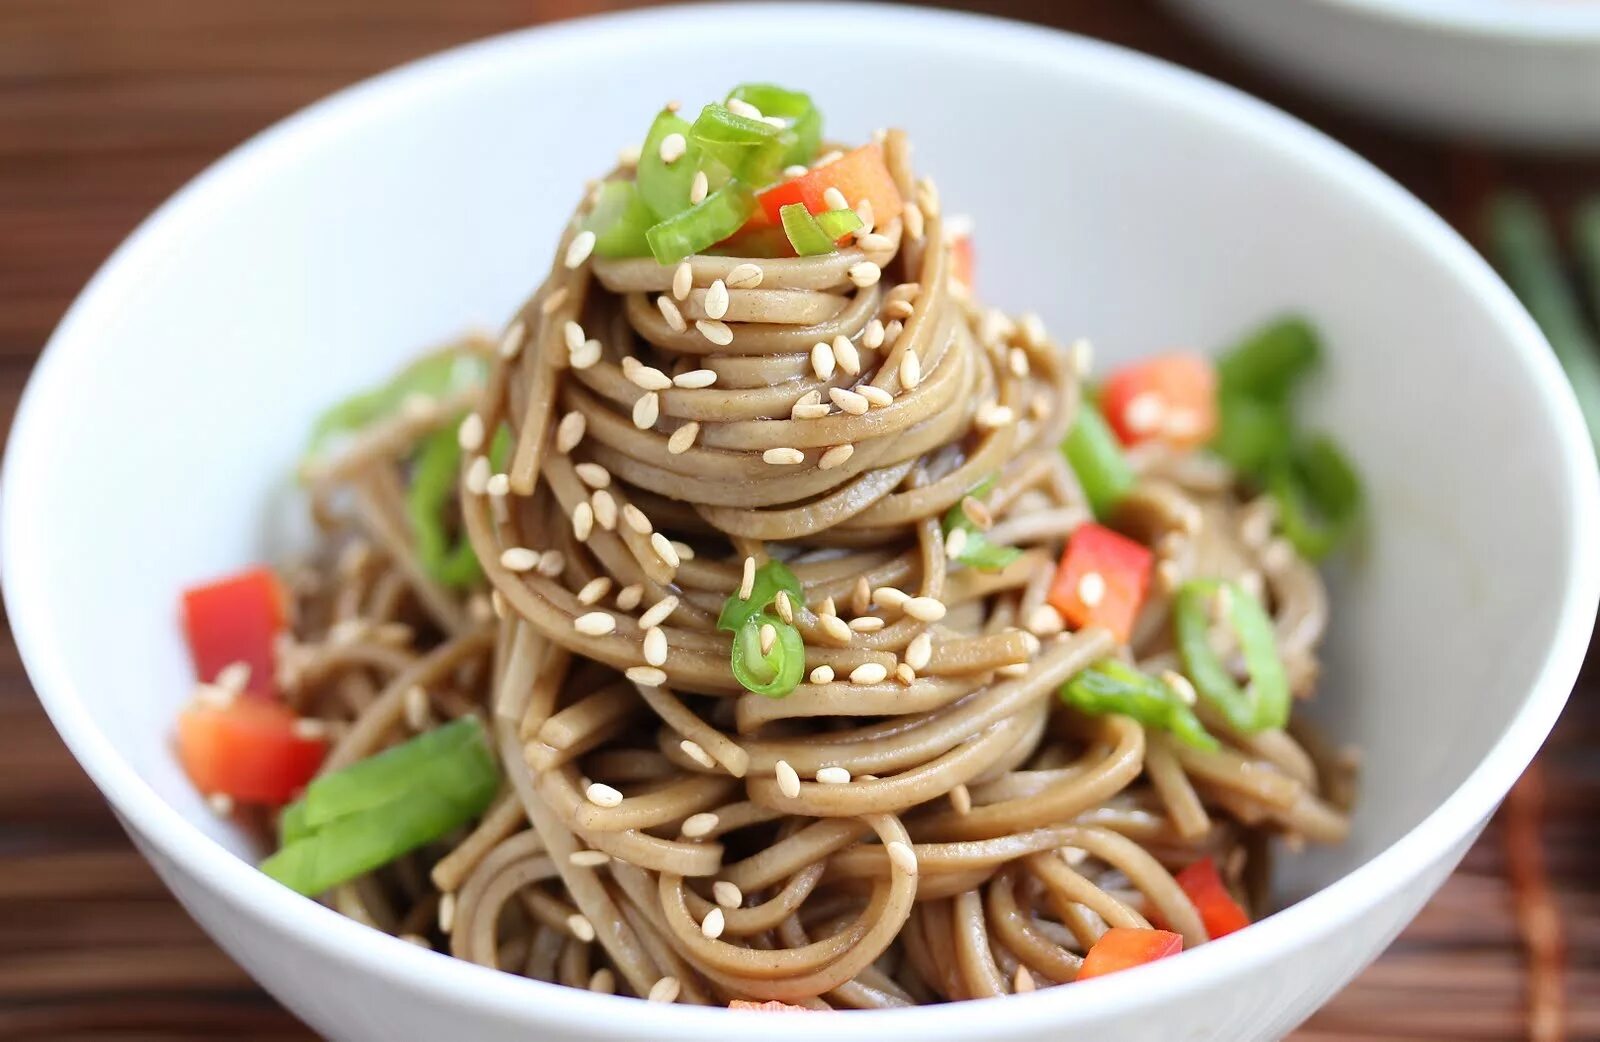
(1220, 913)
(1101, 580)
(1122, 948)
(1170, 398)
(860, 174)
(249, 749)
(236, 619)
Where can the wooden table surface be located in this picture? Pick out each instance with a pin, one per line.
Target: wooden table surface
(107, 106)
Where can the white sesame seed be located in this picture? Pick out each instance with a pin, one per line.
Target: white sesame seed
(925, 609)
(470, 434)
(848, 400)
(595, 623)
(876, 396)
(702, 824)
(865, 274)
(872, 336)
(595, 588)
(586, 355)
(827, 607)
(744, 276)
(593, 475)
(835, 456)
(747, 580)
(834, 776)
(234, 677)
(835, 627)
(499, 485)
(743, 108)
(572, 334)
(834, 199)
(1082, 355)
(797, 170)
(647, 676)
(769, 636)
(869, 673)
(447, 911)
(727, 894)
(635, 519)
(902, 857)
(1022, 981)
(695, 379)
(901, 309)
(822, 360)
(588, 858)
(928, 197)
(683, 280)
(478, 476)
(665, 550)
(310, 728)
(511, 342)
(788, 780)
(660, 611)
(892, 331)
(1181, 686)
(889, 597)
(912, 216)
(1091, 588)
(698, 188)
(693, 751)
(519, 559)
(910, 370)
(605, 509)
(828, 157)
(629, 596)
(783, 456)
(580, 927)
(582, 521)
(673, 146)
(602, 795)
(649, 378)
(844, 352)
(647, 410)
(961, 799)
(875, 242)
(655, 646)
(716, 301)
(682, 439)
(993, 417)
(715, 331)
(553, 301)
(1045, 621)
(570, 431)
(581, 246)
(665, 989)
(1144, 413)
(1074, 855)
(785, 608)
(552, 563)
(670, 312)
(221, 804)
(974, 510)
(712, 926)
(865, 212)
(822, 675)
(628, 156)
(867, 623)
(603, 982)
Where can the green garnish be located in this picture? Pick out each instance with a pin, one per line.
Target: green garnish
(750, 149)
(1113, 686)
(619, 221)
(721, 214)
(433, 377)
(805, 234)
(1096, 457)
(770, 578)
(1261, 705)
(976, 549)
(804, 118)
(664, 186)
(776, 671)
(1318, 494)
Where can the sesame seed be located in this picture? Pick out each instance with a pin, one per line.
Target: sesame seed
(698, 188)
(650, 378)
(835, 627)
(595, 623)
(822, 675)
(784, 606)
(797, 170)
(665, 989)
(1074, 855)
(582, 521)
(695, 379)
(604, 981)
(511, 342)
(628, 156)
(682, 439)
(647, 410)
(828, 157)
(827, 607)
(747, 581)
(570, 431)
(635, 519)
(1082, 355)
(866, 623)
(310, 728)
(865, 212)
(912, 216)
(905, 674)
(683, 280)
(499, 485)
(715, 331)
(956, 544)
(605, 509)
(586, 355)
(593, 475)
(711, 928)
(588, 858)
(788, 780)
(910, 370)
(975, 511)
(875, 242)
(928, 197)
(580, 927)
(693, 751)
(602, 795)
(629, 596)
(552, 563)
(1045, 621)
(670, 312)
(865, 274)
(889, 597)
(1091, 589)
(1014, 669)
(581, 246)
(659, 611)
(861, 596)
(573, 335)
(1017, 358)
(744, 276)
(716, 302)
(925, 609)
(221, 804)
(822, 360)
(833, 776)
(892, 331)
(769, 636)
(727, 894)
(665, 550)
(519, 559)
(655, 646)
(875, 396)
(234, 677)
(1181, 686)
(872, 336)
(993, 417)
(919, 651)
(844, 352)
(447, 911)
(783, 456)
(848, 400)
(901, 309)
(552, 303)
(869, 673)
(595, 588)
(743, 108)
(1144, 414)
(673, 146)
(902, 857)
(961, 799)
(702, 824)
(1022, 981)
(470, 434)
(478, 476)
(834, 199)
(647, 676)
(418, 406)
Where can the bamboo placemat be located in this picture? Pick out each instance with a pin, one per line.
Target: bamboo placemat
(107, 106)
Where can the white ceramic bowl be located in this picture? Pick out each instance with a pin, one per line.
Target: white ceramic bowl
(1122, 197)
(1516, 72)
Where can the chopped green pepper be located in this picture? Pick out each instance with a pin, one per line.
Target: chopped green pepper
(1318, 494)
(664, 186)
(1264, 703)
(434, 376)
(976, 550)
(1268, 363)
(1113, 686)
(805, 234)
(1097, 459)
(770, 578)
(619, 221)
(804, 118)
(774, 672)
(752, 150)
(836, 224)
(694, 230)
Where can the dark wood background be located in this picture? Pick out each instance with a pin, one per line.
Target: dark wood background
(107, 106)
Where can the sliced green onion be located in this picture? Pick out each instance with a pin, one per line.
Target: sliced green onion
(1264, 703)
(1251, 432)
(431, 491)
(1096, 457)
(434, 376)
(805, 119)
(619, 221)
(770, 578)
(836, 224)
(977, 551)
(664, 186)
(1113, 686)
(1318, 494)
(694, 230)
(1269, 362)
(805, 234)
(776, 672)
(1524, 249)
(366, 815)
(751, 150)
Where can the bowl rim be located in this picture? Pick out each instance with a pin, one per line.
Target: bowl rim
(1523, 23)
(450, 981)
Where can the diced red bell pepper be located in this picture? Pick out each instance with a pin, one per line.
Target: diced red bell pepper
(771, 1006)
(249, 749)
(1123, 947)
(1101, 580)
(236, 619)
(1171, 397)
(962, 261)
(1221, 914)
(861, 174)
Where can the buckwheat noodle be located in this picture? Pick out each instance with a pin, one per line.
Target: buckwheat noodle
(986, 835)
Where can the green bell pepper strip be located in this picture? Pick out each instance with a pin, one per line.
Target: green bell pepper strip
(694, 230)
(434, 376)
(1096, 457)
(1251, 432)
(1524, 249)
(836, 224)
(1264, 703)
(805, 119)
(619, 221)
(1267, 364)
(1318, 495)
(1113, 686)
(978, 552)
(429, 497)
(805, 234)
(292, 823)
(664, 186)
(770, 578)
(447, 760)
(776, 673)
(751, 150)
